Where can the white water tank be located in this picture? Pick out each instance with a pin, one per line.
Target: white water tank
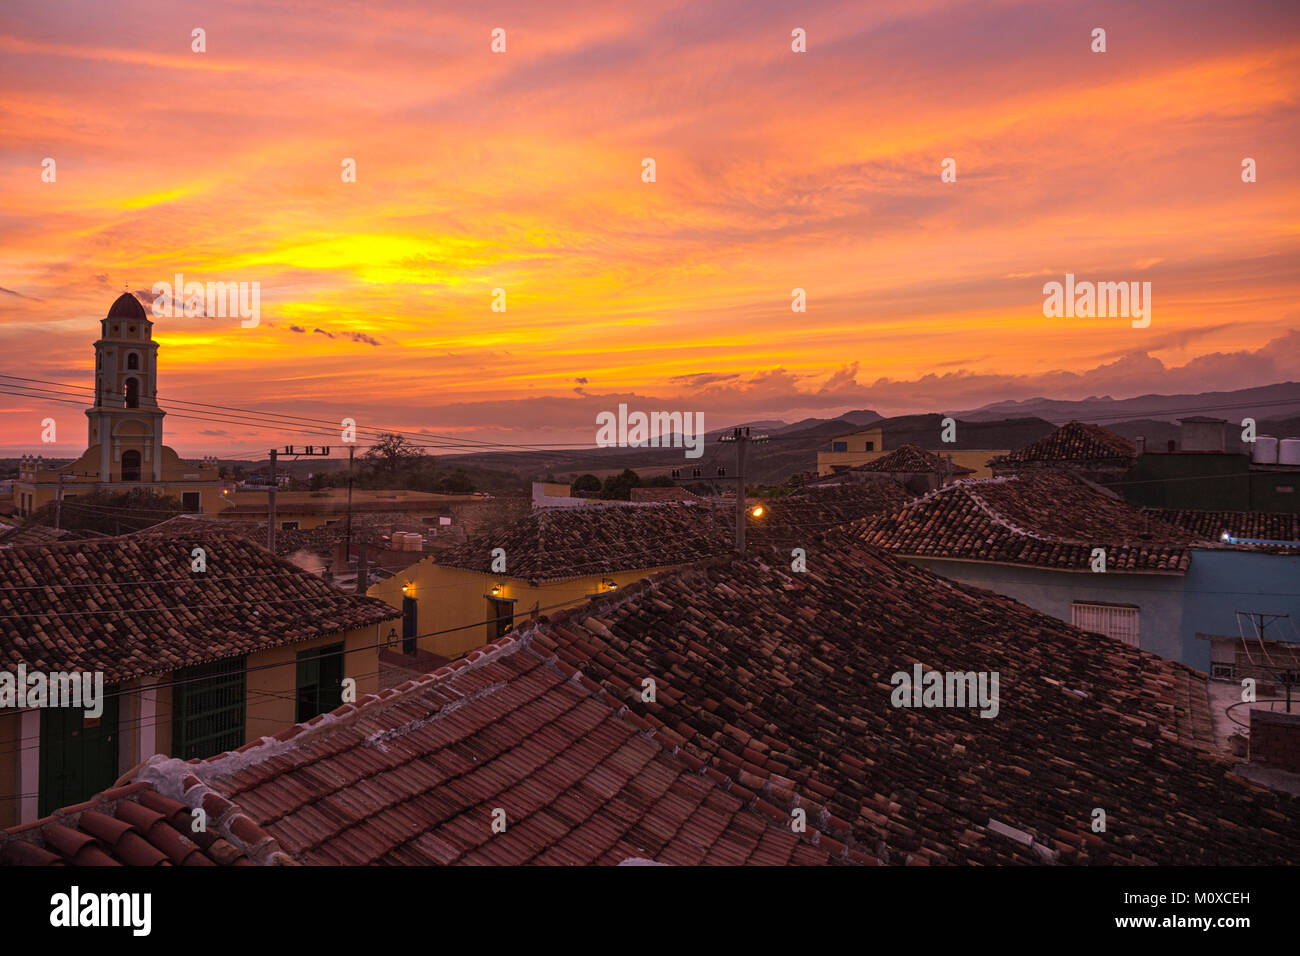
(1288, 451)
(1264, 451)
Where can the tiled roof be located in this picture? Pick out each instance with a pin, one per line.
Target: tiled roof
(782, 682)
(1074, 441)
(1040, 518)
(335, 503)
(132, 825)
(1209, 526)
(415, 776)
(39, 534)
(663, 494)
(132, 606)
(190, 525)
(914, 460)
(557, 543)
(795, 518)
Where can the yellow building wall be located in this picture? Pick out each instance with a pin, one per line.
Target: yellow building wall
(857, 441)
(210, 502)
(270, 706)
(31, 495)
(270, 703)
(976, 458)
(449, 598)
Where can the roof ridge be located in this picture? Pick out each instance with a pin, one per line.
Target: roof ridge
(265, 748)
(1004, 522)
(175, 778)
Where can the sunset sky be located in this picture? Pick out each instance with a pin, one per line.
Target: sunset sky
(522, 171)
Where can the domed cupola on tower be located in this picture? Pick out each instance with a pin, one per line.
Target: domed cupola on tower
(125, 451)
(126, 421)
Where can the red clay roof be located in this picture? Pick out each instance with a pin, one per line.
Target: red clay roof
(132, 606)
(132, 825)
(782, 682)
(557, 543)
(1073, 442)
(795, 518)
(914, 460)
(413, 777)
(1209, 526)
(1041, 518)
(663, 494)
(23, 536)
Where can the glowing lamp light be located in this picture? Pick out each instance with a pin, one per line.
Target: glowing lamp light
(1225, 536)
(496, 589)
(757, 511)
(407, 588)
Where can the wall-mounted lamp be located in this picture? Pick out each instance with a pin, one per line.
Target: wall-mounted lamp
(496, 590)
(408, 587)
(610, 585)
(757, 511)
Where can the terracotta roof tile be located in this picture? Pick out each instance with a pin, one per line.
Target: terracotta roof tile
(663, 494)
(1042, 518)
(1073, 442)
(557, 543)
(914, 460)
(1209, 526)
(579, 783)
(131, 606)
(125, 826)
(926, 785)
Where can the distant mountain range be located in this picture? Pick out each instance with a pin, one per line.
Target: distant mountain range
(1265, 401)
(793, 446)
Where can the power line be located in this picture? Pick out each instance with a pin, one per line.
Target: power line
(366, 647)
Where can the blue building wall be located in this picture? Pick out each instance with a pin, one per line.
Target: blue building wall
(1159, 597)
(1173, 609)
(1220, 583)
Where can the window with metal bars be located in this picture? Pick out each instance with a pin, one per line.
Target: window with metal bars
(208, 709)
(1119, 621)
(320, 681)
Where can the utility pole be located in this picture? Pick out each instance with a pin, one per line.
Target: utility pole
(741, 443)
(348, 528)
(270, 509)
(290, 451)
(58, 504)
(743, 440)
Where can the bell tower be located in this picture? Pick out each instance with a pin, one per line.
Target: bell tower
(125, 421)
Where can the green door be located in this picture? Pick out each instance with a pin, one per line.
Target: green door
(78, 754)
(320, 681)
